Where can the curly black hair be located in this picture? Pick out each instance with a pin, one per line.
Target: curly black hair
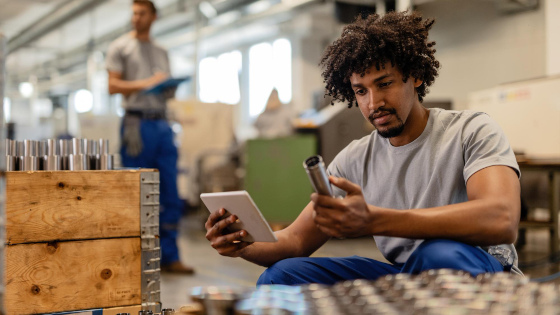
(399, 38)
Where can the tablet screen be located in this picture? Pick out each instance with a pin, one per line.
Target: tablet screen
(243, 206)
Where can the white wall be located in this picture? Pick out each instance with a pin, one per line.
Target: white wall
(480, 47)
(320, 31)
(552, 9)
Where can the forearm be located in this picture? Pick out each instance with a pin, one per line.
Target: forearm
(477, 222)
(301, 239)
(126, 87)
(266, 254)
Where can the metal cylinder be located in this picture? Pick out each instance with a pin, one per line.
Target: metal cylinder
(106, 162)
(63, 147)
(29, 148)
(13, 147)
(20, 148)
(10, 157)
(20, 152)
(103, 146)
(30, 159)
(9, 147)
(30, 163)
(51, 147)
(43, 147)
(315, 168)
(77, 146)
(41, 153)
(11, 163)
(19, 163)
(93, 154)
(64, 151)
(52, 162)
(78, 162)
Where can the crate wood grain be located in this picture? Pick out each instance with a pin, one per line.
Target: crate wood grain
(63, 276)
(48, 206)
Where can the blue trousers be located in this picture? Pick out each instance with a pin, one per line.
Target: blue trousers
(159, 151)
(432, 254)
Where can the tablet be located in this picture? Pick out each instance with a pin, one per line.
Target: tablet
(166, 84)
(250, 218)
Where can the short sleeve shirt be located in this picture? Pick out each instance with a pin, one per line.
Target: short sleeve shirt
(137, 60)
(430, 171)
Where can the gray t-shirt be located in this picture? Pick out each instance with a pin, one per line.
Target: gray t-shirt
(430, 171)
(137, 60)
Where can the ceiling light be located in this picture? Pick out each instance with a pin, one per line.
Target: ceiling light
(26, 89)
(207, 9)
(83, 101)
(7, 109)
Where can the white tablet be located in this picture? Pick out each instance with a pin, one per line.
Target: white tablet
(250, 218)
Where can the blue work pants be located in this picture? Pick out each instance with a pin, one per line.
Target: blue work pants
(431, 254)
(159, 151)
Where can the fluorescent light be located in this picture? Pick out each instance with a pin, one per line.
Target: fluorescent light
(258, 7)
(7, 109)
(83, 101)
(207, 9)
(26, 89)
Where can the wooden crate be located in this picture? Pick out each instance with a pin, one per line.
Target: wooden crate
(134, 309)
(81, 240)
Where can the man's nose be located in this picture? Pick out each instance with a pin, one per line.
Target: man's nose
(376, 101)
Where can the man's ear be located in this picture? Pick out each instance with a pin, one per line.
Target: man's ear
(417, 82)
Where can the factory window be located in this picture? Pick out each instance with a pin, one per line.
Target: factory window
(219, 78)
(270, 66)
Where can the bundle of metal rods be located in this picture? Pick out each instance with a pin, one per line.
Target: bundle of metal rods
(58, 155)
(433, 292)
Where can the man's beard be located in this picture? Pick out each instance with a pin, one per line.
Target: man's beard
(391, 132)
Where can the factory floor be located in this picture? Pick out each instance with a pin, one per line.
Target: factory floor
(213, 269)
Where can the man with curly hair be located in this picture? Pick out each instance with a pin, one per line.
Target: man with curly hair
(432, 186)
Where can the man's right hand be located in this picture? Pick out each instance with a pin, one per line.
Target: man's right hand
(227, 244)
(157, 78)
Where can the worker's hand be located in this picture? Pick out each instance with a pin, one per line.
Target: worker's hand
(226, 243)
(348, 217)
(157, 78)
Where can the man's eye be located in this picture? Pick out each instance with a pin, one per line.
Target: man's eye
(359, 92)
(385, 84)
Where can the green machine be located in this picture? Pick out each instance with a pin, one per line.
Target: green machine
(275, 177)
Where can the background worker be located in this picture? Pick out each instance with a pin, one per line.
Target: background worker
(134, 64)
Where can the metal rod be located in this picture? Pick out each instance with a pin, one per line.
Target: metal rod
(105, 159)
(30, 158)
(52, 161)
(64, 150)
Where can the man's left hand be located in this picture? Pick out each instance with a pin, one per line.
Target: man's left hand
(348, 217)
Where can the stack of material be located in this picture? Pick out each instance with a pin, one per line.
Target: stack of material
(432, 292)
(53, 155)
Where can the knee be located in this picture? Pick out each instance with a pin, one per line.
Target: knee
(438, 254)
(279, 273)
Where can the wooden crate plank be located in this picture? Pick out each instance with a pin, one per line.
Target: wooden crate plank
(133, 310)
(47, 206)
(64, 276)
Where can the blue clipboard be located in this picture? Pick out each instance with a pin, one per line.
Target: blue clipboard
(164, 85)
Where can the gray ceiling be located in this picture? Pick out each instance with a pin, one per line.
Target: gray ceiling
(47, 34)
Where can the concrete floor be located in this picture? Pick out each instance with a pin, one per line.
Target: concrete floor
(213, 269)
